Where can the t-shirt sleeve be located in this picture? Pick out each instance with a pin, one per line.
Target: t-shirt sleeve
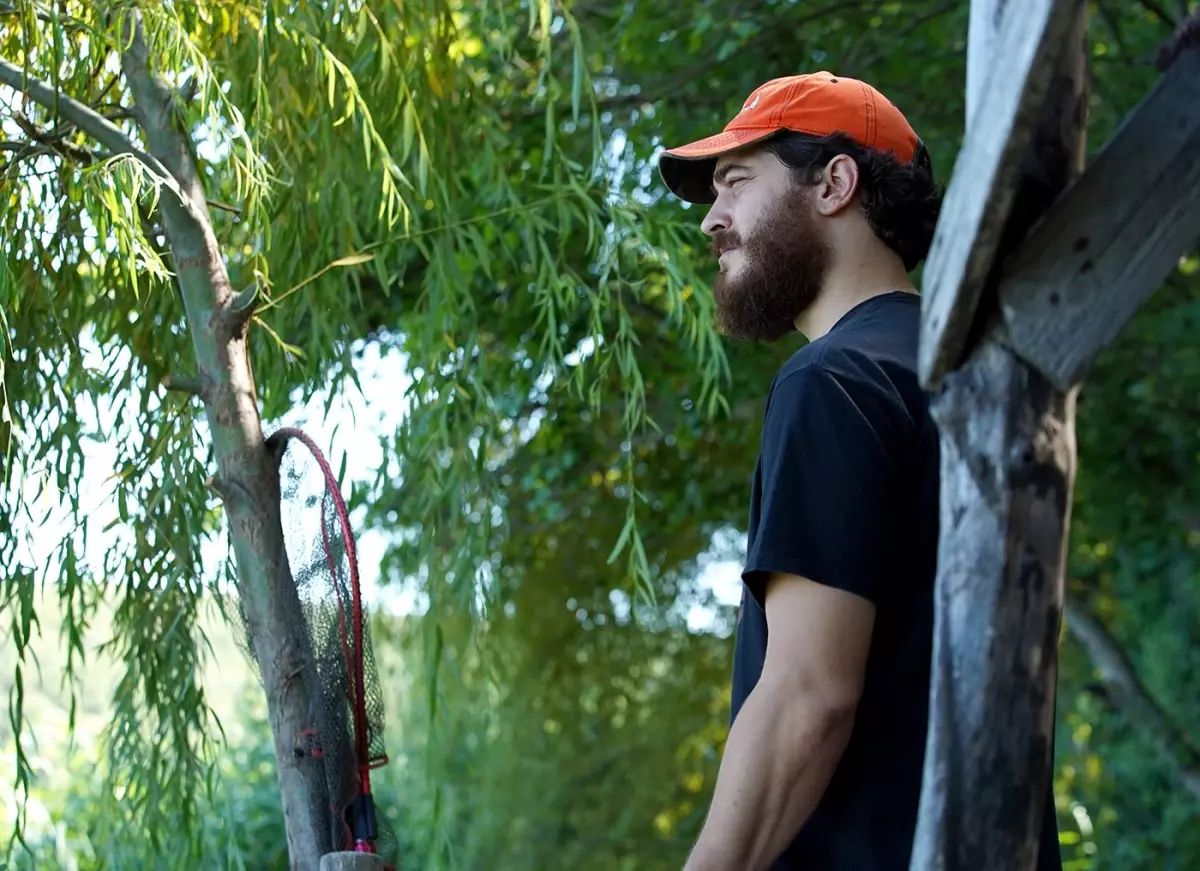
(829, 505)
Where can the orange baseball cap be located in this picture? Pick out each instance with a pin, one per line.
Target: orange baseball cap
(815, 103)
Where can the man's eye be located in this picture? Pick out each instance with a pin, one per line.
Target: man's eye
(734, 181)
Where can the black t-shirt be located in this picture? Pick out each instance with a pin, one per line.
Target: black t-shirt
(846, 494)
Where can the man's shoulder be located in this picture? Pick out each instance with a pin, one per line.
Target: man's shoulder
(841, 367)
(849, 385)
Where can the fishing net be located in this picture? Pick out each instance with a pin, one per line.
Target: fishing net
(343, 741)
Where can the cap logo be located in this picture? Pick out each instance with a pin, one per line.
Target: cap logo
(751, 104)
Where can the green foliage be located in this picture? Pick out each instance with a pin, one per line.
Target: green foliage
(239, 828)
(1135, 561)
(473, 184)
(80, 810)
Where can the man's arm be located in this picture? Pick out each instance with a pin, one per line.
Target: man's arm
(791, 731)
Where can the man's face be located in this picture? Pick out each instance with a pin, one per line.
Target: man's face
(769, 250)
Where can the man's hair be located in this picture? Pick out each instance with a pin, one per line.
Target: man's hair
(901, 201)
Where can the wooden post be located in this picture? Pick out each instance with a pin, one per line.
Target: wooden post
(351, 862)
(1008, 467)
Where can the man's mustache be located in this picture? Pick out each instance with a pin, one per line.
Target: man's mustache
(724, 240)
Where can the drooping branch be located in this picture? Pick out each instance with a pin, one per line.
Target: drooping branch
(90, 122)
(711, 59)
(1132, 697)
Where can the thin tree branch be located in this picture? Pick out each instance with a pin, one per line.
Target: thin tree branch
(224, 207)
(1158, 12)
(120, 113)
(21, 151)
(94, 125)
(56, 141)
(65, 21)
(1132, 697)
(184, 384)
(46, 173)
(24, 149)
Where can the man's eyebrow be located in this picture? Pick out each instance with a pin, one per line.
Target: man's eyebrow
(722, 172)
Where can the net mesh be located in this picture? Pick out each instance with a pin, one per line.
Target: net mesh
(344, 738)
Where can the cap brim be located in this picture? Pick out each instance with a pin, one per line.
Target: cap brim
(688, 170)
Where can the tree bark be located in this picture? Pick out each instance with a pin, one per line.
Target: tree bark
(1008, 470)
(246, 477)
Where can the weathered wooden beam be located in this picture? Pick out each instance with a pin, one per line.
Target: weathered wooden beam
(1110, 241)
(1008, 470)
(1013, 50)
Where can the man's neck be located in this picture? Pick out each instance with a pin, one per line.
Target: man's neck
(844, 289)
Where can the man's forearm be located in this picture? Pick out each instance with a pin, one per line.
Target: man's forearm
(781, 753)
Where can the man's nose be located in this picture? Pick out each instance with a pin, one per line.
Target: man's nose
(717, 220)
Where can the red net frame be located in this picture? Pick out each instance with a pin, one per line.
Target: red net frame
(343, 740)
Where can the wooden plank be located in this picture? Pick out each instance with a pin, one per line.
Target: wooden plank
(1109, 243)
(983, 26)
(351, 862)
(1007, 475)
(1028, 40)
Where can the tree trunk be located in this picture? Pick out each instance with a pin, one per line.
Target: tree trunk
(247, 477)
(1008, 469)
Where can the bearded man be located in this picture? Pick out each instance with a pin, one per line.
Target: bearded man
(822, 202)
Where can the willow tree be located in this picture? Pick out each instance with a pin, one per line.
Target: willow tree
(207, 205)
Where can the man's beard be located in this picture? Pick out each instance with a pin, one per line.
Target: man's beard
(783, 265)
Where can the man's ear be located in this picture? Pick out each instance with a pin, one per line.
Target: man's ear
(837, 187)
